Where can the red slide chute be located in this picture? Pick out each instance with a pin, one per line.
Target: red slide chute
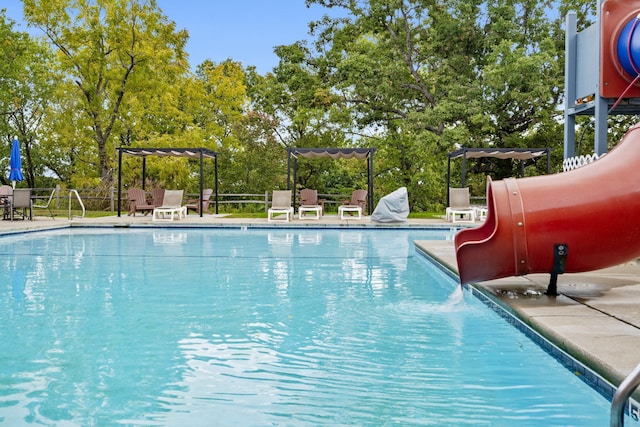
(593, 212)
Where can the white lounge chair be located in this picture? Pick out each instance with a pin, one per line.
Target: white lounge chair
(171, 205)
(460, 209)
(280, 205)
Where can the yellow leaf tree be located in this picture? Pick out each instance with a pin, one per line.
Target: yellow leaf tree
(112, 51)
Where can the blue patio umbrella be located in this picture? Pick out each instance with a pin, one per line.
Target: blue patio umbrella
(15, 163)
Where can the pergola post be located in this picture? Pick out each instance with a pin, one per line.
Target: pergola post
(200, 201)
(370, 182)
(119, 179)
(144, 171)
(215, 163)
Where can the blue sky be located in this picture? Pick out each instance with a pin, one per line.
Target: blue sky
(243, 30)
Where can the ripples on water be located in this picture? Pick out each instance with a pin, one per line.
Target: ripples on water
(261, 328)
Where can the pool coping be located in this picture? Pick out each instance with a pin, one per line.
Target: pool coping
(513, 317)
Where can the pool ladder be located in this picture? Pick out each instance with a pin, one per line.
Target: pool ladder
(75, 192)
(622, 394)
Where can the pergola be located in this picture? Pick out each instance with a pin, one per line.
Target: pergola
(521, 154)
(333, 153)
(191, 153)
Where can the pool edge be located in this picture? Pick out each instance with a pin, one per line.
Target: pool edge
(559, 349)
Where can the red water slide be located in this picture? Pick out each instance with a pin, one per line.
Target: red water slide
(592, 214)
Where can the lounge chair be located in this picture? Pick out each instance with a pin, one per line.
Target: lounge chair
(357, 204)
(194, 204)
(460, 209)
(21, 202)
(309, 203)
(157, 197)
(47, 205)
(138, 202)
(280, 205)
(171, 205)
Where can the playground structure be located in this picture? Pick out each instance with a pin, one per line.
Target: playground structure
(584, 219)
(601, 82)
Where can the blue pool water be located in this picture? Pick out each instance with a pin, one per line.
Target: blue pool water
(198, 327)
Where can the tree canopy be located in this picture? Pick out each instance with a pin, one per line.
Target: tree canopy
(413, 79)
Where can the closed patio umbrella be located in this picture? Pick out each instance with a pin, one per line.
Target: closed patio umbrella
(15, 163)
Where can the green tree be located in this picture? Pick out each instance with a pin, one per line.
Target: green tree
(300, 106)
(26, 89)
(424, 77)
(110, 50)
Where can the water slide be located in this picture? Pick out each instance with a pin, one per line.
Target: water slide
(575, 221)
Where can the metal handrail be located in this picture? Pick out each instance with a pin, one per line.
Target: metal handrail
(79, 200)
(622, 394)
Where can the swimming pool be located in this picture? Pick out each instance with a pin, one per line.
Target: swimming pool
(262, 327)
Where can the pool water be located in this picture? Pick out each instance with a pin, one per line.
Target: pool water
(262, 327)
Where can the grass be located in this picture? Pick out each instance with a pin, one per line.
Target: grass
(426, 215)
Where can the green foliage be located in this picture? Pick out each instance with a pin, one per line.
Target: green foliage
(420, 79)
(26, 90)
(110, 50)
(412, 79)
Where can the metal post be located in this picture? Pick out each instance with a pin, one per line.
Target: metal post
(288, 168)
(602, 104)
(370, 177)
(621, 396)
(463, 180)
(119, 179)
(571, 47)
(215, 158)
(448, 178)
(144, 171)
(295, 180)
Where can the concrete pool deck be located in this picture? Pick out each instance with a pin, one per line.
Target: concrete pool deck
(596, 317)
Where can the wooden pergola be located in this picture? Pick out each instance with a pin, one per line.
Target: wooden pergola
(191, 153)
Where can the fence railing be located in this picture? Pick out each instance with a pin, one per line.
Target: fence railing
(96, 199)
(243, 199)
(264, 199)
(93, 198)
